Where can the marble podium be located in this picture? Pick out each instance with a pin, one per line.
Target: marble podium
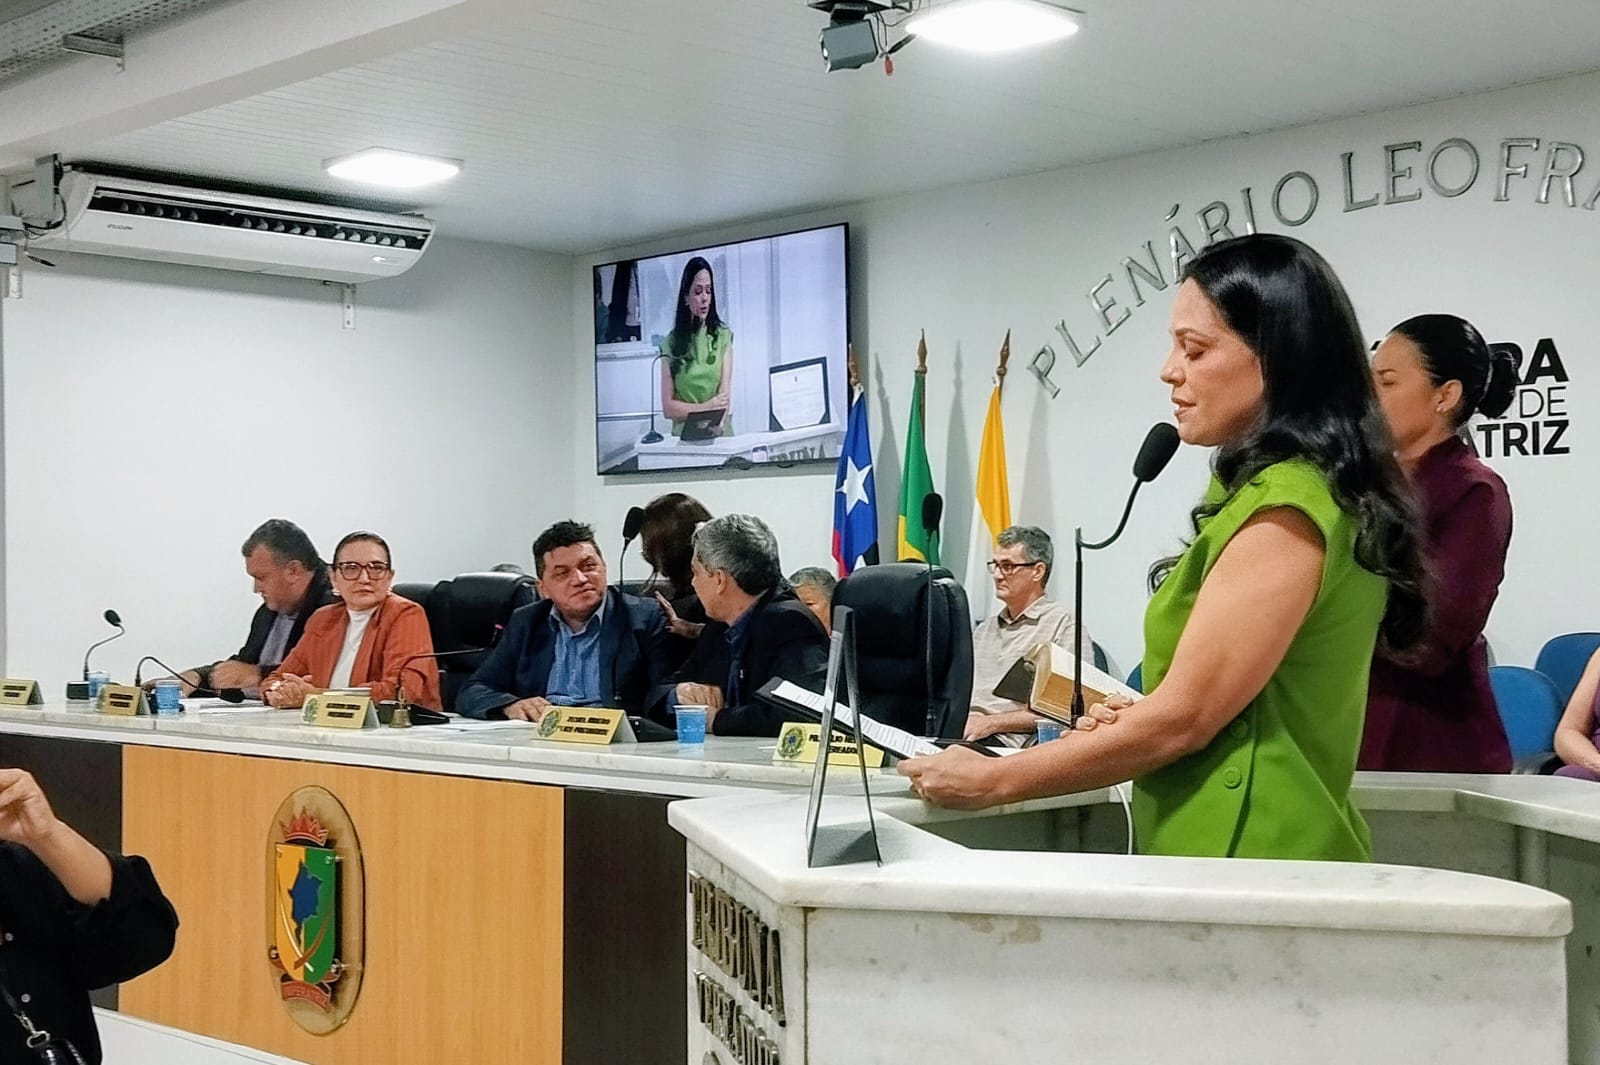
(1023, 935)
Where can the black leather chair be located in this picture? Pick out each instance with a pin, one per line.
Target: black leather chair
(891, 605)
(465, 613)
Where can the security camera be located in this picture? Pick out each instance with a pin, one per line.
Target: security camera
(851, 37)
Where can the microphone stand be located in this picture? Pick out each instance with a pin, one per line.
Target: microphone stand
(1079, 547)
(400, 716)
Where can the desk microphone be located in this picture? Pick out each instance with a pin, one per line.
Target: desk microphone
(630, 532)
(1160, 444)
(423, 715)
(227, 695)
(932, 511)
(112, 618)
(79, 689)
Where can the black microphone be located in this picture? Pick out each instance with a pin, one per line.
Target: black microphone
(112, 618)
(1160, 444)
(631, 524)
(424, 715)
(932, 511)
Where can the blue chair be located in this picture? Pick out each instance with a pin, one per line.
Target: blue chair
(1530, 707)
(1098, 655)
(1563, 657)
(1136, 678)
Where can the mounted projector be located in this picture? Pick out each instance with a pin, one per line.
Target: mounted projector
(136, 219)
(851, 37)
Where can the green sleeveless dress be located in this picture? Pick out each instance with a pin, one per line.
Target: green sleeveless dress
(701, 375)
(1275, 782)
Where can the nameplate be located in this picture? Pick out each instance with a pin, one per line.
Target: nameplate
(15, 692)
(799, 741)
(122, 700)
(584, 724)
(339, 710)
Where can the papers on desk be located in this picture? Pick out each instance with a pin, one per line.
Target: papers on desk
(222, 706)
(475, 724)
(895, 741)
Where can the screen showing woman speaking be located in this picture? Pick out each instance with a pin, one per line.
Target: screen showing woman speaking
(730, 356)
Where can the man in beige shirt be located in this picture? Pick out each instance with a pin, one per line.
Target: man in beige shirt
(1021, 567)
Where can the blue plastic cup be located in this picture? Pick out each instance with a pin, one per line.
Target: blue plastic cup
(169, 696)
(691, 724)
(1046, 730)
(98, 679)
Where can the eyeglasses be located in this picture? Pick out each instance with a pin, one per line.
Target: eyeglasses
(1006, 568)
(352, 570)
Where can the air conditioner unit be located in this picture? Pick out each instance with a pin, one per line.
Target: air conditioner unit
(233, 231)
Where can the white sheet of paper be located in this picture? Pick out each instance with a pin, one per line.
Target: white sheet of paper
(799, 396)
(886, 736)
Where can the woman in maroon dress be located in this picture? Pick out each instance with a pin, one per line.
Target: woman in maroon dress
(1434, 710)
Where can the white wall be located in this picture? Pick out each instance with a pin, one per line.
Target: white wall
(154, 415)
(966, 264)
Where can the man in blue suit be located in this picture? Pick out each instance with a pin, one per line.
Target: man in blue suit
(582, 644)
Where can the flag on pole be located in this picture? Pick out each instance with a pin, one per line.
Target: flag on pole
(855, 495)
(994, 490)
(916, 479)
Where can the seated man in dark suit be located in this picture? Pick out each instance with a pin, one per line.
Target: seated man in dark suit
(583, 644)
(293, 583)
(758, 630)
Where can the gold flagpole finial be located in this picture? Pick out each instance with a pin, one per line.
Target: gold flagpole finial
(1005, 356)
(922, 353)
(855, 369)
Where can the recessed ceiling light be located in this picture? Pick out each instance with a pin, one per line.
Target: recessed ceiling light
(392, 169)
(994, 26)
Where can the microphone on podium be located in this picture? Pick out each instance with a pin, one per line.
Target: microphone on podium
(80, 689)
(1160, 444)
(932, 511)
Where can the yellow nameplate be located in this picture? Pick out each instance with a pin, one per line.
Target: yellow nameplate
(799, 740)
(585, 724)
(20, 692)
(123, 700)
(339, 710)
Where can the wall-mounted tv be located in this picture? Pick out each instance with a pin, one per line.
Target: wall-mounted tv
(724, 357)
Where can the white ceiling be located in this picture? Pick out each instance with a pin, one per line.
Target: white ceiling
(590, 124)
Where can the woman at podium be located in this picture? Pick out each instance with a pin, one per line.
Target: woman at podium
(1259, 635)
(697, 368)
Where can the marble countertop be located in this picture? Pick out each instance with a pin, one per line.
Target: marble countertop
(760, 839)
(497, 750)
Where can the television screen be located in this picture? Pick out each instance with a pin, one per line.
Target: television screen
(726, 357)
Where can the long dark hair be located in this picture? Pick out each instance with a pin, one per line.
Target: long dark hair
(1453, 350)
(666, 538)
(1287, 304)
(683, 325)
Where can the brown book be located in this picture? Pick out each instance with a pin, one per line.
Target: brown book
(1051, 694)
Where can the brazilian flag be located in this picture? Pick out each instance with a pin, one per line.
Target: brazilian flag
(916, 479)
(307, 926)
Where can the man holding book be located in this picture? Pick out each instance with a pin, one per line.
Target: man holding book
(1021, 565)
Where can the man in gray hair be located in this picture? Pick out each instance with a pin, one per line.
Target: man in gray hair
(814, 586)
(1021, 565)
(757, 630)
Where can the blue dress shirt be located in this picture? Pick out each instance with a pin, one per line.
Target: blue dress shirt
(575, 673)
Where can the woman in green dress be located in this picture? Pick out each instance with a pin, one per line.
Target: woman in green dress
(1259, 634)
(697, 370)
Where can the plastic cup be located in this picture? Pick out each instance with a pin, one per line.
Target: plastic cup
(98, 679)
(169, 696)
(692, 724)
(1046, 730)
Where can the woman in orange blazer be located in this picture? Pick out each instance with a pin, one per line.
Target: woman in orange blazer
(362, 641)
